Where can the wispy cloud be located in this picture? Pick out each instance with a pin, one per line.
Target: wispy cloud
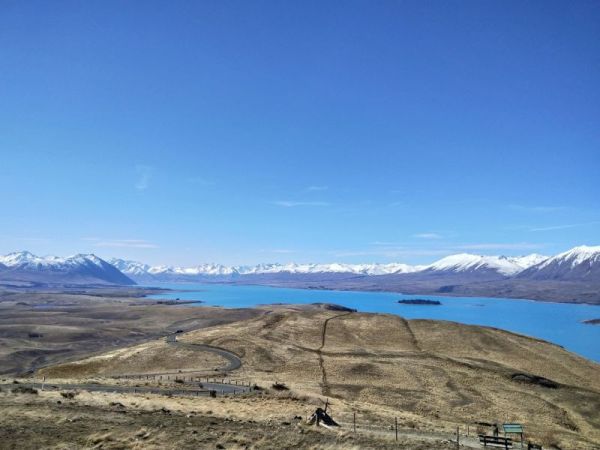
(27, 238)
(427, 236)
(292, 204)
(121, 243)
(316, 188)
(389, 253)
(385, 243)
(499, 246)
(564, 227)
(144, 174)
(201, 181)
(536, 208)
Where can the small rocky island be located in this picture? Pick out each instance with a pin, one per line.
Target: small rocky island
(178, 302)
(419, 301)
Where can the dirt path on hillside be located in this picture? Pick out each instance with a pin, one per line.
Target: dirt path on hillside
(324, 384)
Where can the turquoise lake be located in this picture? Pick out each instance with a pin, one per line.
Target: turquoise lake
(559, 323)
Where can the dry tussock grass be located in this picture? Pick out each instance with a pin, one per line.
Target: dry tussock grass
(431, 375)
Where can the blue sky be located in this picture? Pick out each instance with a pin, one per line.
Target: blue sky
(245, 132)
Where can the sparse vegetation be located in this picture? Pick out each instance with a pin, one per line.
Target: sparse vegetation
(69, 395)
(430, 375)
(24, 390)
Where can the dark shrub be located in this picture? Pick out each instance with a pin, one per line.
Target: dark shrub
(24, 390)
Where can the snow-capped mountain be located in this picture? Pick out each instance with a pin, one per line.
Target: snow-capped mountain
(468, 263)
(578, 264)
(130, 267)
(77, 269)
(140, 270)
(359, 269)
(462, 263)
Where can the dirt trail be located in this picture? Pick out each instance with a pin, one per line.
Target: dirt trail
(413, 338)
(324, 384)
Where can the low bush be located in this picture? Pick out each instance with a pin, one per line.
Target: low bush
(69, 395)
(24, 390)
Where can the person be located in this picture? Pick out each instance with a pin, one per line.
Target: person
(495, 430)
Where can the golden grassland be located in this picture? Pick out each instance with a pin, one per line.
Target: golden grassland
(128, 421)
(42, 328)
(431, 375)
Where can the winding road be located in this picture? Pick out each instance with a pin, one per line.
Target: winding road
(189, 388)
(234, 361)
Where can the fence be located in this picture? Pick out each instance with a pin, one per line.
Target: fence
(183, 378)
(462, 436)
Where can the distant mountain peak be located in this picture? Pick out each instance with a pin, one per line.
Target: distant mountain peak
(578, 263)
(467, 262)
(463, 262)
(80, 268)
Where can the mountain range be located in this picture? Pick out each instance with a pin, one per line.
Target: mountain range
(570, 276)
(77, 269)
(579, 263)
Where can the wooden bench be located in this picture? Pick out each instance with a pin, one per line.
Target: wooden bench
(495, 441)
(513, 428)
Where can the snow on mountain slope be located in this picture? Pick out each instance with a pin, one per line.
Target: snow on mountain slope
(130, 267)
(465, 262)
(73, 269)
(456, 263)
(139, 269)
(361, 269)
(578, 264)
(530, 260)
(576, 256)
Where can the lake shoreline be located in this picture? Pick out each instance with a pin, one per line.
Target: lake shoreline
(557, 322)
(334, 289)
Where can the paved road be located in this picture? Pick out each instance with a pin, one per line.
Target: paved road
(188, 389)
(234, 362)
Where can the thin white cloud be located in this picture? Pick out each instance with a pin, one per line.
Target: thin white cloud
(427, 236)
(389, 253)
(292, 204)
(144, 174)
(316, 188)
(29, 239)
(499, 246)
(386, 243)
(278, 251)
(122, 243)
(200, 181)
(564, 227)
(536, 208)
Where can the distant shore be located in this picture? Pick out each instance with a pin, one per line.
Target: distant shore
(591, 322)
